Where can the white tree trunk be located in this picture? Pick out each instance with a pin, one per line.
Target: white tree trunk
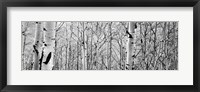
(130, 44)
(49, 43)
(36, 46)
(67, 33)
(86, 59)
(84, 50)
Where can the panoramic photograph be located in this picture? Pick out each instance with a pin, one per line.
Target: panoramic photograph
(99, 45)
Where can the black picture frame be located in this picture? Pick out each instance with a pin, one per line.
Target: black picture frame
(99, 3)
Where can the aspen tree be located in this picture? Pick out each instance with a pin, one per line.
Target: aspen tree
(49, 43)
(130, 44)
(84, 48)
(36, 46)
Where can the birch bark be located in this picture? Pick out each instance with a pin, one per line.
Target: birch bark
(130, 44)
(49, 41)
(36, 46)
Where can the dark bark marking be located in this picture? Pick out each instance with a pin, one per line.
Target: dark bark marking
(48, 58)
(35, 48)
(44, 29)
(129, 35)
(40, 60)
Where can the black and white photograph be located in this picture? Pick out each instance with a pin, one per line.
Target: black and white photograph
(99, 45)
